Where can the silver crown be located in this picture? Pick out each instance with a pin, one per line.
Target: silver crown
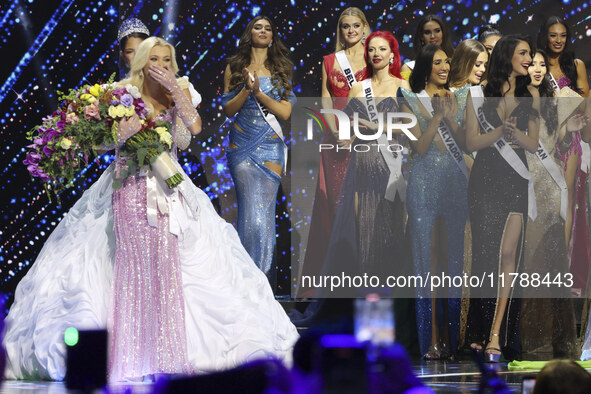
(131, 25)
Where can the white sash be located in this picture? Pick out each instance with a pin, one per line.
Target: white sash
(396, 182)
(346, 67)
(505, 150)
(411, 64)
(586, 150)
(274, 123)
(556, 175)
(446, 135)
(554, 84)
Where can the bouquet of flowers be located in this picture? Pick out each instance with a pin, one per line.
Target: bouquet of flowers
(87, 122)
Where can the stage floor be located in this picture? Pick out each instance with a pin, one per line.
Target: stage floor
(442, 377)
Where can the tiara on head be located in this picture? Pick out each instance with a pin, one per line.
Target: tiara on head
(131, 25)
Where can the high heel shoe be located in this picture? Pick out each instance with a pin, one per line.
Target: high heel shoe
(492, 354)
(434, 352)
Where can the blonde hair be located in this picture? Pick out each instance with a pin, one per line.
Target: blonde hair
(351, 11)
(142, 54)
(462, 62)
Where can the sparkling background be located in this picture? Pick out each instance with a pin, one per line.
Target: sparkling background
(51, 45)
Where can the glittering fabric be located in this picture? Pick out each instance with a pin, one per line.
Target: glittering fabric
(147, 306)
(256, 184)
(545, 252)
(331, 172)
(368, 230)
(148, 325)
(436, 188)
(495, 191)
(104, 269)
(579, 247)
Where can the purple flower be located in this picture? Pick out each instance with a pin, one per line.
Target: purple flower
(48, 151)
(119, 92)
(114, 102)
(127, 100)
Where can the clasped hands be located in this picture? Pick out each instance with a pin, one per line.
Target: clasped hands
(251, 81)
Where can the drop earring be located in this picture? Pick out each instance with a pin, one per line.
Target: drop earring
(363, 38)
(391, 61)
(270, 44)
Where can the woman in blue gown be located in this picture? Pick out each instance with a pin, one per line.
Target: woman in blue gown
(436, 203)
(257, 80)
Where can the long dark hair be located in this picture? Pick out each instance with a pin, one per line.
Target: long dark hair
(486, 31)
(122, 65)
(394, 68)
(423, 67)
(549, 111)
(500, 68)
(566, 60)
(278, 61)
(446, 43)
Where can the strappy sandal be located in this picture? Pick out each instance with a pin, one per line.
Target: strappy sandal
(492, 354)
(434, 352)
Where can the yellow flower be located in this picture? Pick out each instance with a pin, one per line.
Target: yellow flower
(116, 112)
(65, 143)
(85, 96)
(129, 111)
(160, 130)
(166, 138)
(95, 90)
(91, 99)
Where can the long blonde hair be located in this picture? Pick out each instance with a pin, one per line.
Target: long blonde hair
(462, 62)
(351, 11)
(142, 54)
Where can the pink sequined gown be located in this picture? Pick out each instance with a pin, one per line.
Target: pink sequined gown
(331, 172)
(579, 245)
(182, 296)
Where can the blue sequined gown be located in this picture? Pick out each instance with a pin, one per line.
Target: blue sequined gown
(436, 187)
(256, 185)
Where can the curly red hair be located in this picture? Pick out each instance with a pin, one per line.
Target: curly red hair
(394, 68)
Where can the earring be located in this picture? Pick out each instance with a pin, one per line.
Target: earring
(363, 38)
(342, 44)
(270, 44)
(391, 61)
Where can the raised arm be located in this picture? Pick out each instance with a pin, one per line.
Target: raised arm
(582, 81)
(234, 105)
(282, 108)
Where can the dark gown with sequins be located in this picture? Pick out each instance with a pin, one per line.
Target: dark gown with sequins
(331, 172)
(368, 229)
(495, 190)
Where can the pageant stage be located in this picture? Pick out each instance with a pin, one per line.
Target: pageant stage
(440, 376)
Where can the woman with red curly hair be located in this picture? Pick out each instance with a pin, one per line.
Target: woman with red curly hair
(371, 211)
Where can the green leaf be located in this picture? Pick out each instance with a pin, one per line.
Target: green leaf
(141, 155)
(117, 183)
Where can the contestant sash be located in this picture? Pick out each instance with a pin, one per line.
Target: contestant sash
(554, 84)
(446, 135)
(556, 175)
(396, 182)
(505, 150)
(346, 67)
(411, 64)
(586, 150)
(274, 123)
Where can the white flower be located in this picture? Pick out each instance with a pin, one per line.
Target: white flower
(133, 90)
